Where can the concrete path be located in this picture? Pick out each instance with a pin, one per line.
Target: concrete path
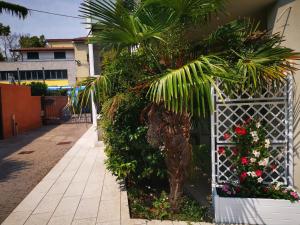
(26, 159)
(78, 191)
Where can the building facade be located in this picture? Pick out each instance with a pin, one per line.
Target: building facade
(62, 62)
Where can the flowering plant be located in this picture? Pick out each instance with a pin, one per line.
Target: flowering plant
(250, 162)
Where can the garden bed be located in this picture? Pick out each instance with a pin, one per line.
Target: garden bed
(152, 204)
(255, 210)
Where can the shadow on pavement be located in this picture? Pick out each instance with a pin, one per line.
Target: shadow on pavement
(9, 167)
(14, 144)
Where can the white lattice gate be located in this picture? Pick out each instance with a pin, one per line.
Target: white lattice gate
(274, 107)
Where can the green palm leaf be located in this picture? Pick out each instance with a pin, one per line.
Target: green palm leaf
(189, 87)
(116, 27)
(14, 9)
(98, 86)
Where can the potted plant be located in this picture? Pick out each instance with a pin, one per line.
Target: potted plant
(248, 196)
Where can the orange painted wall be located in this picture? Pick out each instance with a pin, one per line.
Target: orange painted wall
(16, 100)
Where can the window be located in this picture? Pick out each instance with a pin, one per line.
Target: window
(28, 75)
(34, 75)
(56, 74)
(23, 75)
(40, 75)
(59, 55)
(64, 74)
(47, 75)
(59, 74)
(32, 55)
(3, 75)
(53, 74)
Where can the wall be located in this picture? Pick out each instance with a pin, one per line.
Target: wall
(46, 55)
(60, 44)
(69, 65)
(284, 18)
(17, 101)
(82, 68)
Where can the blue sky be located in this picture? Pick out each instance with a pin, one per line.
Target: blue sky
(49, 25)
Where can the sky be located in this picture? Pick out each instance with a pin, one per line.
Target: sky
(51, 26)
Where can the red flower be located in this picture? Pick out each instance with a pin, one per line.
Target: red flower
(244, 160)
(237, 189)
(243, 176)
(226, 136)
(221, 150)
(258, 173)
(234, 151)
(240, 131)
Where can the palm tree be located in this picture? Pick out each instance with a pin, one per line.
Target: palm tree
(14, 9)
(182, 90)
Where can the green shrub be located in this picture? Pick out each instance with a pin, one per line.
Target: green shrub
(38, 88)
(129, 154)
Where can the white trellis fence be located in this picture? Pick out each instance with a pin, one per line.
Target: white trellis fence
(274, 108)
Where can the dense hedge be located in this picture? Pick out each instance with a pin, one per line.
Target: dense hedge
(129, 154)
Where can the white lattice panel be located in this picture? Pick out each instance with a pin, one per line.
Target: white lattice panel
(273, 107)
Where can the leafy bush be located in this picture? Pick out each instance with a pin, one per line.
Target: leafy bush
(38, 88)
(127, 70)
(129, 154)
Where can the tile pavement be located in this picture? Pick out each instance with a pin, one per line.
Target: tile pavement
(79, 191)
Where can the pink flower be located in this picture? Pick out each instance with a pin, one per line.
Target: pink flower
(221, 150)
(225, 188)
(294, 194)
(244, 160)
(226, 136)
(258, 173)
(240, 131)
(273, 166)
(248, 120)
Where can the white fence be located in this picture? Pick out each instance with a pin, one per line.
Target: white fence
(274, 108)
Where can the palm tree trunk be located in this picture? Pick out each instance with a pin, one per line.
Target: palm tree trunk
(172, 131)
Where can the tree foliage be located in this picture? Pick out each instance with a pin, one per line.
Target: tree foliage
(9, 42)
(4, 30)
(27, 41)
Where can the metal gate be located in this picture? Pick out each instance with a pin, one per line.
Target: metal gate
(274, 107)
(56, 110)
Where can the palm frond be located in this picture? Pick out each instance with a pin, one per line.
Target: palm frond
(117, 27)
(267, 65)
(189, 87)
(258, 57)
(192, 10)
(14, 9)
(98, 86)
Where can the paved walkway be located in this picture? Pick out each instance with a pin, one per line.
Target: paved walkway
(27, 158)
(78, 191)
